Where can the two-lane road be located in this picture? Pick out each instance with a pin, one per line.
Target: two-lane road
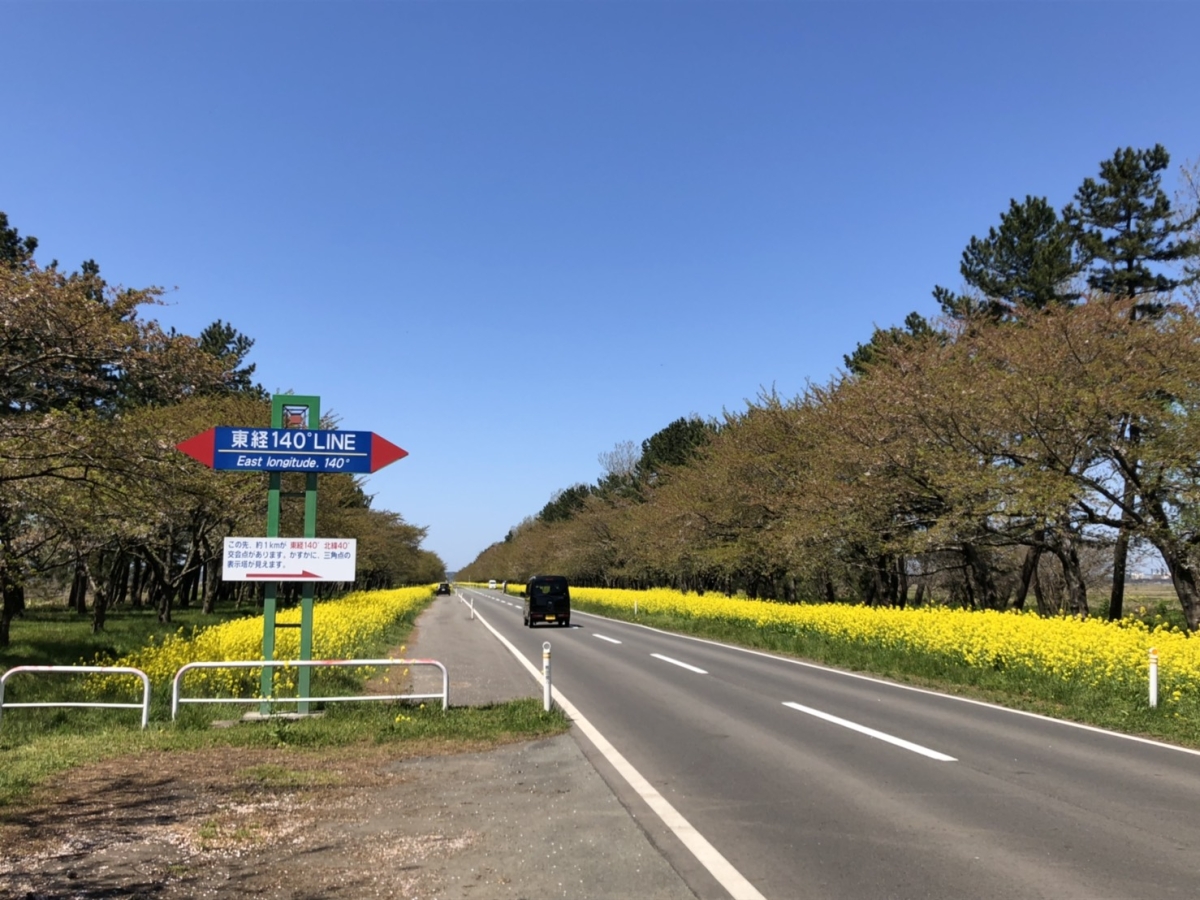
(814, 783)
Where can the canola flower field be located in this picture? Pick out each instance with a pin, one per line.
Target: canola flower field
(1086, 653)
(342, 629)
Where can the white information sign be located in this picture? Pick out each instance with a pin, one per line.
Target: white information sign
(289, 559)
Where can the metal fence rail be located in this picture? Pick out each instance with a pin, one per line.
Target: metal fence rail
(177, 684)
(144, 706)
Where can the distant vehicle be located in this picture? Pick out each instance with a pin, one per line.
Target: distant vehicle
(444, 588)
(547, 599)
(492, 585)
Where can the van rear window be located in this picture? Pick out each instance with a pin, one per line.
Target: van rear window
(550, 588)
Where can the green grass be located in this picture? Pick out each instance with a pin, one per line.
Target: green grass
(55, 636)
(38, 744)
(31, 757)
(1041, 694)
(1152, 603)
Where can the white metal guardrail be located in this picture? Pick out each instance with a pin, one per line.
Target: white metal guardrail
(177, 684)
(144, 706)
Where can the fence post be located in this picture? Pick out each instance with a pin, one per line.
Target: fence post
(1153, 678)
(546, 676)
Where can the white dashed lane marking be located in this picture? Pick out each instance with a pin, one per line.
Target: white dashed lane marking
(681, 665)
(871, 732)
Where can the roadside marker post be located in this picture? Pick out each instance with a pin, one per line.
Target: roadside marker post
(1153, 678)
(546, 700)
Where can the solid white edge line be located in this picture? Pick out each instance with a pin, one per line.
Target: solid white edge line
(681, 665)
(903, 687)
(871, 732)
(708, 856)
(601, 637)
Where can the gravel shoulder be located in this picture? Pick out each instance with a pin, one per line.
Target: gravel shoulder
(526, 820)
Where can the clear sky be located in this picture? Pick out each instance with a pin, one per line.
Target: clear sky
(510, 235)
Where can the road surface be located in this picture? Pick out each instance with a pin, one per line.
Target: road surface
(813, 784)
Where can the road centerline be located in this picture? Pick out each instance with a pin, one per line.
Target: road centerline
(681, 665)
(602, 637)
(871, 732)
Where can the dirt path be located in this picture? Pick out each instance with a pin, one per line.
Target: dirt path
(514, 822)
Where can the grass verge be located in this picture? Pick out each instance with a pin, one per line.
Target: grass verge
(37, 744)
(32, 761)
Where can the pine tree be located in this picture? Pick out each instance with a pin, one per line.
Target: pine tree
(916, 327)
(226, 343)
(15, 251)
(1127, 231)
(1028, 263)
(672, 446)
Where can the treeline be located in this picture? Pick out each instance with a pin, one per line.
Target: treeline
(94, 497)
(1011, 453)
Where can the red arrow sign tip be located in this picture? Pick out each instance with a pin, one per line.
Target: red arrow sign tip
(202, 447)
(384, 452)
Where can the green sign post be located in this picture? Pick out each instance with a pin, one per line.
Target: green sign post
(294, 411)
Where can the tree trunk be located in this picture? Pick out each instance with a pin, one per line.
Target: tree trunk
(165, 601)
(1116, 600)
(965, 590)
(1028, 571)
(1184, 577)
(1064, 549)
(1187, 588)
(980, 572)
(78, 599)
(186, 585)
(121, 587)
(13, 604)
(212, 586)
(891, 580)
(1044, 606)
(99, 605)
(139, 577)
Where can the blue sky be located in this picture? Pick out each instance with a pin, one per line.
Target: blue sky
(509, 235)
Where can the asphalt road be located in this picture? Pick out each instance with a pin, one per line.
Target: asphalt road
(823, 785)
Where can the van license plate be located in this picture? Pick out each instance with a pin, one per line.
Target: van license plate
(549, 618)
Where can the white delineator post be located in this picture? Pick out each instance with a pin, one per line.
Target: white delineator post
(546, 676)
(1153, 678)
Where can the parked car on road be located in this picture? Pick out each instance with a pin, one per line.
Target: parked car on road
(443, 588)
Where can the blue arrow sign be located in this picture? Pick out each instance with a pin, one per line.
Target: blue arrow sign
(291, 450)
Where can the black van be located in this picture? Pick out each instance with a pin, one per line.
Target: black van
(547, 599)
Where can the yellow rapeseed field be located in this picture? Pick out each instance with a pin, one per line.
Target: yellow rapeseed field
(342, 628)
(1090, 652)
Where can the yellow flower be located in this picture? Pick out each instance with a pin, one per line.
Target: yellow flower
(342, 628)
(1089, 652)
